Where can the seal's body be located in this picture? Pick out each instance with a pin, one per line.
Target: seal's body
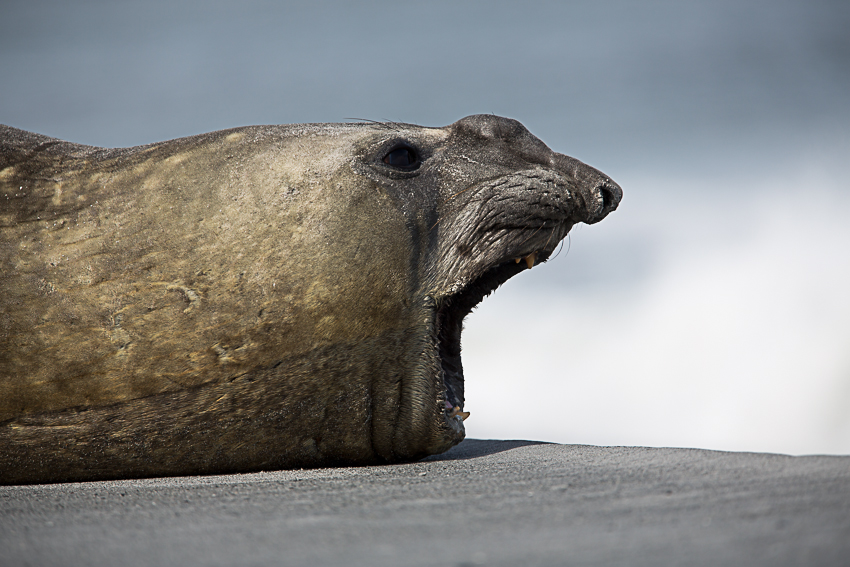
(259, 298)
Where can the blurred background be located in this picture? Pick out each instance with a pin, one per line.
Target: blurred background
(711, 310)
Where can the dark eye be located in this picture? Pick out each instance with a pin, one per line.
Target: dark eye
(401, 157)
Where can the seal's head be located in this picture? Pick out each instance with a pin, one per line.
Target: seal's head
(485, 200)
(262, 297)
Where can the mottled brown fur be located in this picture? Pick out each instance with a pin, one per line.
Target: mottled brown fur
(250, 299)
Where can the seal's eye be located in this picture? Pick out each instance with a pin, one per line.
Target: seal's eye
(402, 157)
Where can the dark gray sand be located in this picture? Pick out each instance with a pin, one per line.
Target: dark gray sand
(482, 503)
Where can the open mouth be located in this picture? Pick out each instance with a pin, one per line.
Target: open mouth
(522, 219)
(449, 318)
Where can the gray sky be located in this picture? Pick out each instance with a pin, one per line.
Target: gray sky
(616, 82)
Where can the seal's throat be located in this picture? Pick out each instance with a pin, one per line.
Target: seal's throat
(448, 326)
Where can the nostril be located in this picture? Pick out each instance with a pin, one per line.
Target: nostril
(608, 199)
(604, 198)
(609, 195)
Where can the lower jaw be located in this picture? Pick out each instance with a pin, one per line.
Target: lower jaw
(444, 326)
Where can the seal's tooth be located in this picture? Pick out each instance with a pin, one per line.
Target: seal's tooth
(529, 260)
(517, 260)
(457, 413)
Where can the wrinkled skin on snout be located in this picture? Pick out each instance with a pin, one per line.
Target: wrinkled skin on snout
(260, 298)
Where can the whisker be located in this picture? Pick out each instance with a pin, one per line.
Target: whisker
(551, 234)
(387, 124)
(560, 247)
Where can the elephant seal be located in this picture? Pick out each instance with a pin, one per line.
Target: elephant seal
(260, 298)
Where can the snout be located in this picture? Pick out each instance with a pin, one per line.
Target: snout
(599, 193)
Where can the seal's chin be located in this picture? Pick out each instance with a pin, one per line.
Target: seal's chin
(448, 326)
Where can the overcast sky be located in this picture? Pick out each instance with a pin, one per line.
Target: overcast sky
(711, 310)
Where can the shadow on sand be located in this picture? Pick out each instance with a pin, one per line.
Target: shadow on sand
(472, 448)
